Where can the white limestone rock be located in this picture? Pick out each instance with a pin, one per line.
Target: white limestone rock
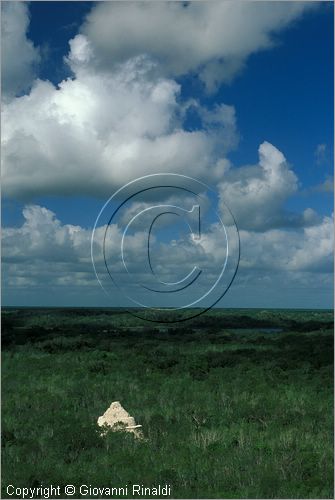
(116, 418)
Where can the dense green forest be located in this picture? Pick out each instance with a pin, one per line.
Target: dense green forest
(234, 403)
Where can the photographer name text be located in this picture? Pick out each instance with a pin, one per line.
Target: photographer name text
(70, 490)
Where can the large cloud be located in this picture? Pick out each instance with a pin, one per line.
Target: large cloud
(96, 132)
(257, 194)
(18, 55)
(213, 39)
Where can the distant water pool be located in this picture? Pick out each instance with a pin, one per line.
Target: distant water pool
(255, 329)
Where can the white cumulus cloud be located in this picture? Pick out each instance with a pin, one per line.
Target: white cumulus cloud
(19, 57)
(96, 132)
(257, 194)
(213, 39)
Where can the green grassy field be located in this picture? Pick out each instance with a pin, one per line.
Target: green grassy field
(230, 408)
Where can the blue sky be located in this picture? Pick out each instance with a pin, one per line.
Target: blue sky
(280, 91)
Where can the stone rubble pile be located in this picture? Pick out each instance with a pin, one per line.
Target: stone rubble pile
(118, 419)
